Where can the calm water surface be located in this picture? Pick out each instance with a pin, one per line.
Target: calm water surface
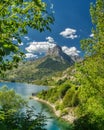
(26, 90)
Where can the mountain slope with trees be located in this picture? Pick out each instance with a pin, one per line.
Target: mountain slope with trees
(38, 71)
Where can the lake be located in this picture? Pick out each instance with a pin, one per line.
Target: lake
(26, 91)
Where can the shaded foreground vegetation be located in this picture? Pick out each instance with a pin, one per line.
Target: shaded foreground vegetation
(15, 114)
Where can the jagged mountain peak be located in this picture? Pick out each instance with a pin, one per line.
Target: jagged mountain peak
(57, 52)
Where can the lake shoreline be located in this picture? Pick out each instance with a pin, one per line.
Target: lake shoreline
(26, 92)
(68, 117)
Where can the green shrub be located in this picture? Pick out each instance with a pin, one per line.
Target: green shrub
(63, 90)
(71, 98)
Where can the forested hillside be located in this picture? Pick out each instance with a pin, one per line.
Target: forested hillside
(40, 70)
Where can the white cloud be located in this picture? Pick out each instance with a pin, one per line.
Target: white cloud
(14, 39)
(91, 35)
(50, 39)
(69, 33)
(30, 55)
(21, 44)
(43, 46)
(72, 51)
(40, 47)
(27, 38)
(51, 7)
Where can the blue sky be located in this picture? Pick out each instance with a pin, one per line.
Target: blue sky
(72, 23)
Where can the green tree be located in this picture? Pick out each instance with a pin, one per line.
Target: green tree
(10, 100)
(15, 114)
(91, 71)
(16, 17)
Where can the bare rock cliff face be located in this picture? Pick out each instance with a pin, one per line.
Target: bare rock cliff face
(56, 52)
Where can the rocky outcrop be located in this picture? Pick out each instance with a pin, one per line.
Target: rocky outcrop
(57, 53)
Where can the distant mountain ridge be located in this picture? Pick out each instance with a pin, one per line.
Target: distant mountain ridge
(31, 71)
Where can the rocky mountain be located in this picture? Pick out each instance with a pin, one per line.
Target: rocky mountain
(76, 58)
(57, 53)
(38, 70)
